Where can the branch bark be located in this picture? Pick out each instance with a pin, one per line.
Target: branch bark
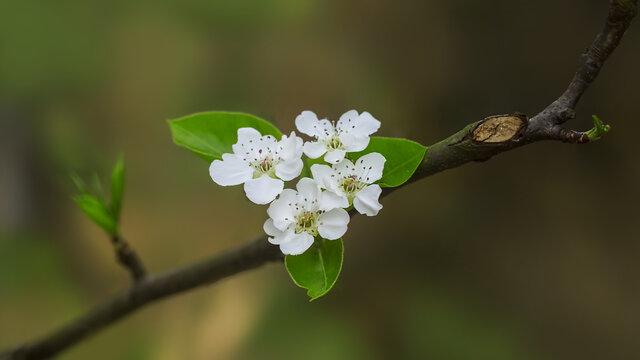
(478, 141)
(128, 258)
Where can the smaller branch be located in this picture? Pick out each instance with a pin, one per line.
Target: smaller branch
(568, 136)
(128, 258)
(621, 13)
(580, 137)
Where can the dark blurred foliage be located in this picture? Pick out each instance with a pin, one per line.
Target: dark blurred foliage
(532, 255)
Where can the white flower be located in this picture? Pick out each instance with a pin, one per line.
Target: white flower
(354, 183)
(261, 163)
(350, 134)
(297, 217)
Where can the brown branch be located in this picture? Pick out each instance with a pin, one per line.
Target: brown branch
(148, 290)
(621, 12)
(547, 122)
(476, 142)
(465, 145)
(128, 258)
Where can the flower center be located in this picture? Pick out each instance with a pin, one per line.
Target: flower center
(351, 185)
(334, 142)
(265, 165)
(264, 160)
(306, 221)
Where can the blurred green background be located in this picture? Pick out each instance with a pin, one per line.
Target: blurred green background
(532, 255)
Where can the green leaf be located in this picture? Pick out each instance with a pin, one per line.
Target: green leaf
(403, 158)
(117, 188)
(211, 134)
(97, 187)
(97, 211)
(598, 130)
(317, 269)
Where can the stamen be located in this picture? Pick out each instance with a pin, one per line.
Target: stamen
(306, 221)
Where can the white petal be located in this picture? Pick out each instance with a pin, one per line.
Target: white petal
(230, 171)
(266, 145)
(321, 174)
(329, 200)
(307, 123)
(326, 177)
(263, 189)
(358, 143)
(314, 149)
(332, 185)
(365, 124)
(270, 229)
(299, 144)
(334, 156)
(347, 140)
(297, 244)
(347, 120)
(248, 133)
(344, 168)
(333, 224)
(325, 129)
(282, 237)
(308, 189)
(369, 167)
(246, 137)
(366, 200)
(282, 213)
(290, 169)
(287, 147)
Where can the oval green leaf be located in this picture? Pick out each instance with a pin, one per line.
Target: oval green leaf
(211, 134)
(318, 268)
(403, 158)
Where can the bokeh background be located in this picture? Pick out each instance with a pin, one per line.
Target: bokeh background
(532, 255)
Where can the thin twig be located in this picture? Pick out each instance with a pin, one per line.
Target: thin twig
(128, 258)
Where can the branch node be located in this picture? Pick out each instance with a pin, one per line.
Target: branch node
(500, 129)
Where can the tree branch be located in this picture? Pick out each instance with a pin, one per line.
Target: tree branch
(251, 255)
(469, 144)
(476, 142)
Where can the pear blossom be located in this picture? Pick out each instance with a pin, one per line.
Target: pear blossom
(354, 183)
(296, 217)
(350, 134)
(261, 163)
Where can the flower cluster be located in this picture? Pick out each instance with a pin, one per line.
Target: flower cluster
(318, 206)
